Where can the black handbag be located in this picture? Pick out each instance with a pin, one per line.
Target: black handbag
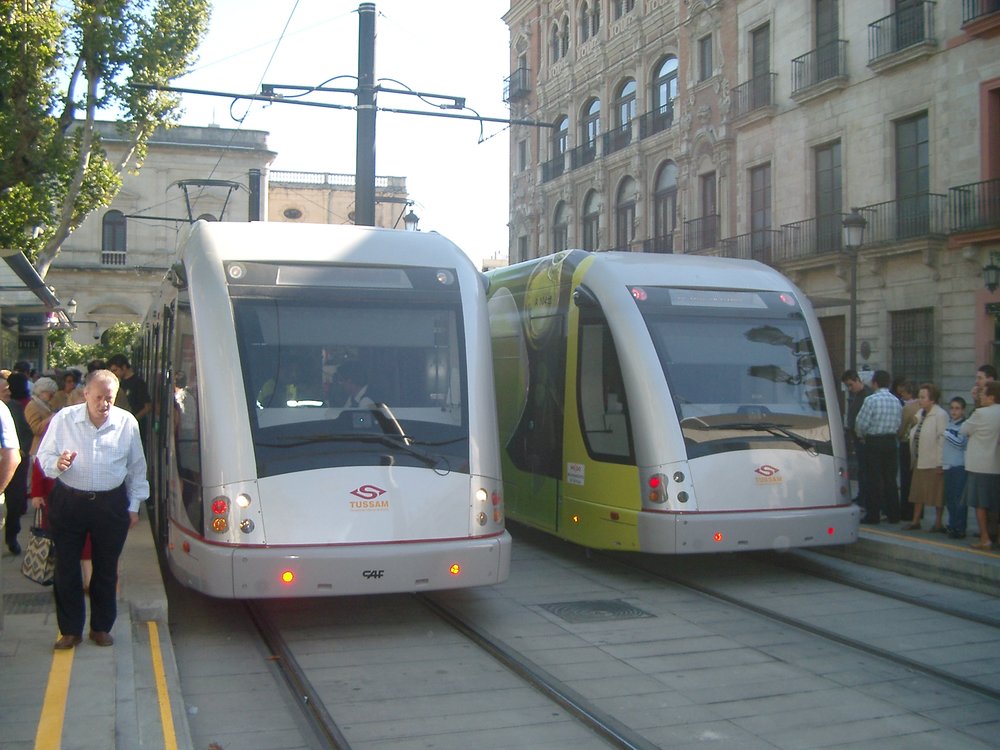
(39, 563)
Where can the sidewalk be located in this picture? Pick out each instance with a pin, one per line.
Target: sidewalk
(126, 696)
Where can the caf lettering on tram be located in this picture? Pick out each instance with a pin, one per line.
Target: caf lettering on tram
(667, 404)
(326, 419)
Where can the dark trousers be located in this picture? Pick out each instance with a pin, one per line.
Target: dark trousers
(16, 499)
(72, 515)
(880, 466)
(905, 474)
(859, 467)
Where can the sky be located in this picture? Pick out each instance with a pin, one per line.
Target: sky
(456, 170)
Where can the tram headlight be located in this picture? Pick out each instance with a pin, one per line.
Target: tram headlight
(246, 526)
(445, 277)
(482, 519)
(482, 495)
(236, 271)
(243, 500)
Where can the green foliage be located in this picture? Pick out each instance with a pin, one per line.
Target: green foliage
(64, 351)
(63, 64)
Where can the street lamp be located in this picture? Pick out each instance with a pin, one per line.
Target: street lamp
(991, 272)
(854, 235)
(410, 222)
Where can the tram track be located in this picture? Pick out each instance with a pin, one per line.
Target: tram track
(308, 698)
(654, 567)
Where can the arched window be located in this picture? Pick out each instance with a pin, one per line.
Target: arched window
(591, 122)
(584, 21)
(665, 207)
(625, 213)
(595, 18)
(564, 37)
(560, 228)
(621, 7)
(113, 239)
(626, 103)
(560, 137)
(591, 220)
(554, 44)
(665, 86)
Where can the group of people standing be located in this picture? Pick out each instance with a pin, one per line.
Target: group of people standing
(84, 445)
(944, 459)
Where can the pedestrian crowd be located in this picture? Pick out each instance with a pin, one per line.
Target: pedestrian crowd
(915, 457)
(72, 443)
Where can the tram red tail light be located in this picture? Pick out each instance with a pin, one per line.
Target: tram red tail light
(657, 489)
(717, 536)
(287, 577)
(220, 505)
(831, 531)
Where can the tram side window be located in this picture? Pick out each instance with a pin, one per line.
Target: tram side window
(187, 432)
(604, 414)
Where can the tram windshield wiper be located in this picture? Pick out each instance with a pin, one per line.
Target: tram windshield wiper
(772, 427)
(401, 443)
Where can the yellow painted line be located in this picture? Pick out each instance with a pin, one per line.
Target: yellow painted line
(50, 724)
(163, 698)
(932, 543)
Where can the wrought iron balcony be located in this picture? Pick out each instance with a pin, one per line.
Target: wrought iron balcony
(810, 237)
(916, 217)
(973, 10)
(664, 244)
(517, 85)
(907, 27)
(617, 139)
(582, 155)
(553, 168)
(701, 234)
(656, 121)
(113, 258)
(761, 244)
(821, 64)
(975, 206)
(755, 94)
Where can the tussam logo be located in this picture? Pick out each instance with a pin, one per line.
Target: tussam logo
(368, 495)
(767, 474)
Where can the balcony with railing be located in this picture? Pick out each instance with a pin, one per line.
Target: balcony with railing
(617, 139)
(517, 85)
(761, 244)
(918, 217)
(656, 121)
(981, 17)
(907, 34)
(113, 258)
(809, 238)
(553, 168)
(754, 97)
(582, 155)
(975, 207)
(701, 235)
(664, 244)
(820, 71)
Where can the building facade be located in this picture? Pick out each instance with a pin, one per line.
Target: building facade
(751, 128)
(113, 263)
(328, 198)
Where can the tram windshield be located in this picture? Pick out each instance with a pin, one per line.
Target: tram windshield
(345, 376)
(741, 367)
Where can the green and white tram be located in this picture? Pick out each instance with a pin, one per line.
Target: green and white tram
(326, 420)
(667, 404)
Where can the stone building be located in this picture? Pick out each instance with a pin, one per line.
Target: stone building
(111, 265)
(327, 198)
(752, 128)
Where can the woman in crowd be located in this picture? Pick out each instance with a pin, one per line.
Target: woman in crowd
(926, 451)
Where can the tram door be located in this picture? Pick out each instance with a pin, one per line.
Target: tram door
(600, 494)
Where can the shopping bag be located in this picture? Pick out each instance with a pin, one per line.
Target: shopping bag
(39, 562)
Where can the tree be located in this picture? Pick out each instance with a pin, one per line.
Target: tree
(64, 351)
(61, 64)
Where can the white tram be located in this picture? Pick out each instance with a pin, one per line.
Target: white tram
(325, 418)
(667, 404)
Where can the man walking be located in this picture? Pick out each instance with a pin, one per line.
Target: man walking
(94, 452)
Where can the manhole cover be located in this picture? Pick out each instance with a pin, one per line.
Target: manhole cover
(28, 604)
(602, 610)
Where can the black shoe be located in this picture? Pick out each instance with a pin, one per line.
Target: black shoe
(956, 535)
(870, 521)
(15, 548)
